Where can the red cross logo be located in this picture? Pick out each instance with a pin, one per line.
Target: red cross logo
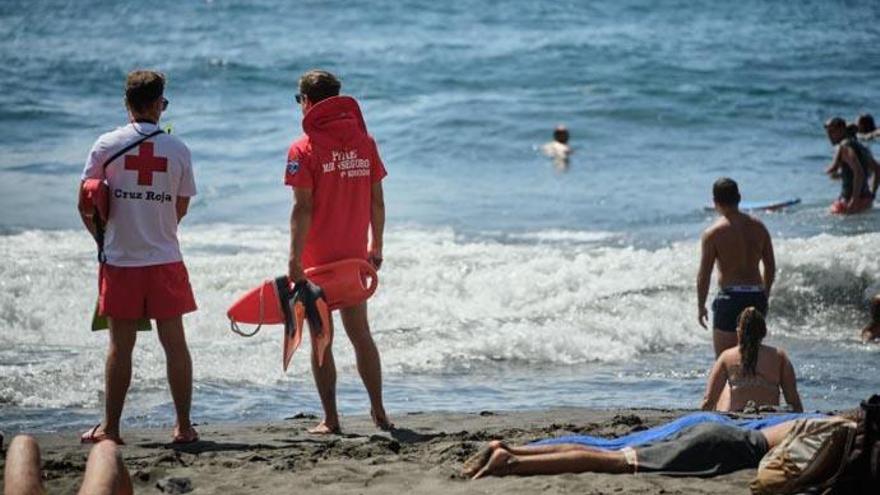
(146, 163)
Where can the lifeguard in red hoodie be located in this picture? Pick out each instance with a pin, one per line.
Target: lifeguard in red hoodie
(338, 213)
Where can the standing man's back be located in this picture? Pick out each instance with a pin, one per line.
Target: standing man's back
(338, 213)
(738, 243)
(148, 177)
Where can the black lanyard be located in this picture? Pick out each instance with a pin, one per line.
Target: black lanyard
(99, 224)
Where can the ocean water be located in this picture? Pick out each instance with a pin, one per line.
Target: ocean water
(507, 285)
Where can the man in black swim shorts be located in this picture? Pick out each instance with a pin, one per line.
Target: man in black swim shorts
(738, 244)
(707, 449)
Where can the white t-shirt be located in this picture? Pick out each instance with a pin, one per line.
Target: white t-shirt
(145, 183)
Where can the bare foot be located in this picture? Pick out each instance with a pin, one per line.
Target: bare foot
(381, 421)
(499, 464)
(183, 436)
(478, 460)
(324, 429)
(98, 434)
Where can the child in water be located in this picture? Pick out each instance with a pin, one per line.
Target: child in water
(558, 149)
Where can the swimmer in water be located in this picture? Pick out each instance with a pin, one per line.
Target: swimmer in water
(558, 149)
(854, 164)
(871, 333)
(867, 129)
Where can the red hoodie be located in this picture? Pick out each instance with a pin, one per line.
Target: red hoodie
(339, 162)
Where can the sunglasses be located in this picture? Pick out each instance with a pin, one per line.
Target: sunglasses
(164, 104)
(300, 98)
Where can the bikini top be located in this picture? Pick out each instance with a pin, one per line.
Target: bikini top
(737, 378)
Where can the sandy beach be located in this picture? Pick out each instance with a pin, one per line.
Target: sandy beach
(424, 455)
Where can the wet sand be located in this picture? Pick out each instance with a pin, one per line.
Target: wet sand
(423, 455)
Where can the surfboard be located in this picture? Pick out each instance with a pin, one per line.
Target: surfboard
(773, 205)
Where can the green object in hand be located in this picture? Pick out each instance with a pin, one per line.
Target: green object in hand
(99, 322)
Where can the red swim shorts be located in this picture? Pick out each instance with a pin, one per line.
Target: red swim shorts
(156, 292)
(841, 207)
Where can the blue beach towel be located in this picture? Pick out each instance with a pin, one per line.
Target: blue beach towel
(665, 431)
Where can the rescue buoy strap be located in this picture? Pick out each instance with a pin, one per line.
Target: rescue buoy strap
(233, 325)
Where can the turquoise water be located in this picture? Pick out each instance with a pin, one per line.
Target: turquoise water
(507, 285)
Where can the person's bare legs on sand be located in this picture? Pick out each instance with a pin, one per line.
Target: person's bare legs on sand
(117, 375)
(178, 364)
(105, 472)
(22, 473)
(501, 460)
(357, 327)
(325, 382)
(369, 364)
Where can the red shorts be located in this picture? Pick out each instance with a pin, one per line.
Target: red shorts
(155, 292)
(841, 206)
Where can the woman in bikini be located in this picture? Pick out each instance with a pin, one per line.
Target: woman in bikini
(751, 371)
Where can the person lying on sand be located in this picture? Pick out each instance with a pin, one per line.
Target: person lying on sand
(871, 332)
(105, 472)
(751, 372)
(704, 449)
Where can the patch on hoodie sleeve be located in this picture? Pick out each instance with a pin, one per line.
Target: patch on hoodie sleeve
(292, 166)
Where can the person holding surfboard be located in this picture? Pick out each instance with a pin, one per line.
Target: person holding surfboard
(338, 213)
(855, 165)
(738, 244)
(149, 181)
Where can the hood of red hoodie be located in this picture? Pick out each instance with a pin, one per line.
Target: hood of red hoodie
(335, 121)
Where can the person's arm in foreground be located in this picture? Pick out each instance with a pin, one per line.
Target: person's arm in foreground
(182, 206)
(707, 261)
(769, 261)
(834, 167)
(714, 386)
(789, 384)
(377, 224)
(300, 221)
(187, 188)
